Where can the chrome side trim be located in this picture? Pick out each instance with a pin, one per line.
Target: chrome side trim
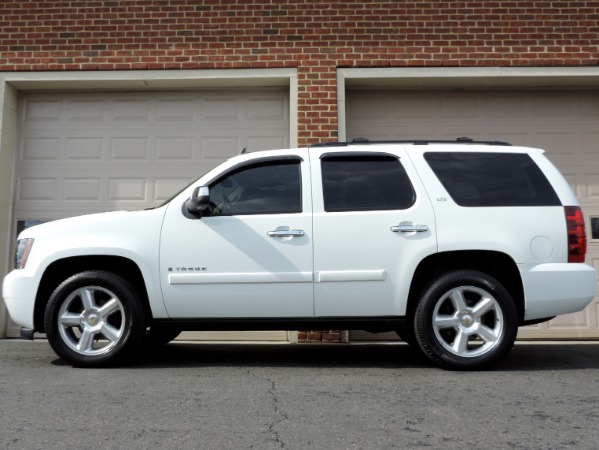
(240, 278)
(350, 275)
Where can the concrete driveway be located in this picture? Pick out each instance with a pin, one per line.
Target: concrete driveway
(269, 396)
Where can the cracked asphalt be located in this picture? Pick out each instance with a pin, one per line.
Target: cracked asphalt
(279, 396)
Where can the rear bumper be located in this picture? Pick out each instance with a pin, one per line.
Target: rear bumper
(555, 288)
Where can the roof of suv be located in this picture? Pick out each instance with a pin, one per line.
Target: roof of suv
(364, 141)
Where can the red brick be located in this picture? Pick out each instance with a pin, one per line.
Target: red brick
(331, 337)
(302, 336)
(182, 34)
(314, 336)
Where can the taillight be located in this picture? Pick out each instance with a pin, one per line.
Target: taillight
(577, 238)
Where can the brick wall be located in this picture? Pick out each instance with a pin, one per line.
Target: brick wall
(319, 336)
(316, 36)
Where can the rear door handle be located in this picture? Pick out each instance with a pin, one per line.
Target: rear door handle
(282, 233)
(409, 228)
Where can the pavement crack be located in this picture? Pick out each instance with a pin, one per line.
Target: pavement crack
(278, 411)
(280, 415)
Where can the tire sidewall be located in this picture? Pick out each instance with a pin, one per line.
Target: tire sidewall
(133, 317)
(423, 320)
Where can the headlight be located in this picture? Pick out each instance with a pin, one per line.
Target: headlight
(22, 252)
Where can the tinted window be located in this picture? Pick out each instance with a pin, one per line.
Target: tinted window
(265, 188)
(492, 179)
(365, 183)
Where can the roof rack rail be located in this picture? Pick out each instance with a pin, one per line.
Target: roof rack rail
(364, 141)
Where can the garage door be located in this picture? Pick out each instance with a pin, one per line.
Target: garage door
(563, 123)
(87, 153)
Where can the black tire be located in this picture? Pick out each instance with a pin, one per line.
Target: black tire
(466, 320)
(93, 319)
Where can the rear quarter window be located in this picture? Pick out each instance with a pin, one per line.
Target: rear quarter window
(492, 179)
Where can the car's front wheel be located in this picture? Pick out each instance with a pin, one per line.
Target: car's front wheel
(94, 319)
(467, 320)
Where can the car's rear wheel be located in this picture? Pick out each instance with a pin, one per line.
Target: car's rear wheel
(93, 319)
(467, 320)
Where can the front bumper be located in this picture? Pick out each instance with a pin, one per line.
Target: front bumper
(27, 333)
(19, 290)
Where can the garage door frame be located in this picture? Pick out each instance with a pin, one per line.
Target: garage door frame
(14, 83)
(459, 80)
(389, 78)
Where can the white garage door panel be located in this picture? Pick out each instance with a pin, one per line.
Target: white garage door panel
(84, 153)
(564, 123)
(94, 152)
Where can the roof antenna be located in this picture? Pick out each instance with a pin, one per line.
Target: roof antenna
(243, 150)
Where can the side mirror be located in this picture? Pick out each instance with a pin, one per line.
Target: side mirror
(199, 201)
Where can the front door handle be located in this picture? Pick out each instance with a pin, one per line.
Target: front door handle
(285, 233)
(409, 228)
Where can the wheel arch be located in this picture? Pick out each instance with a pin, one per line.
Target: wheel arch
(497, 264)
(62, 269)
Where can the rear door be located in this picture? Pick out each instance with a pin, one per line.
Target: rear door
(373, 224)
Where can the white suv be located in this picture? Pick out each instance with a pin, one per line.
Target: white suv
(452, 245)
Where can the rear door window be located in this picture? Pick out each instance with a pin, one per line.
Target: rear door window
(492, 179)
(368, 182)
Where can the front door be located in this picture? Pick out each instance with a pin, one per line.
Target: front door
(372, 224)
(250, 255)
